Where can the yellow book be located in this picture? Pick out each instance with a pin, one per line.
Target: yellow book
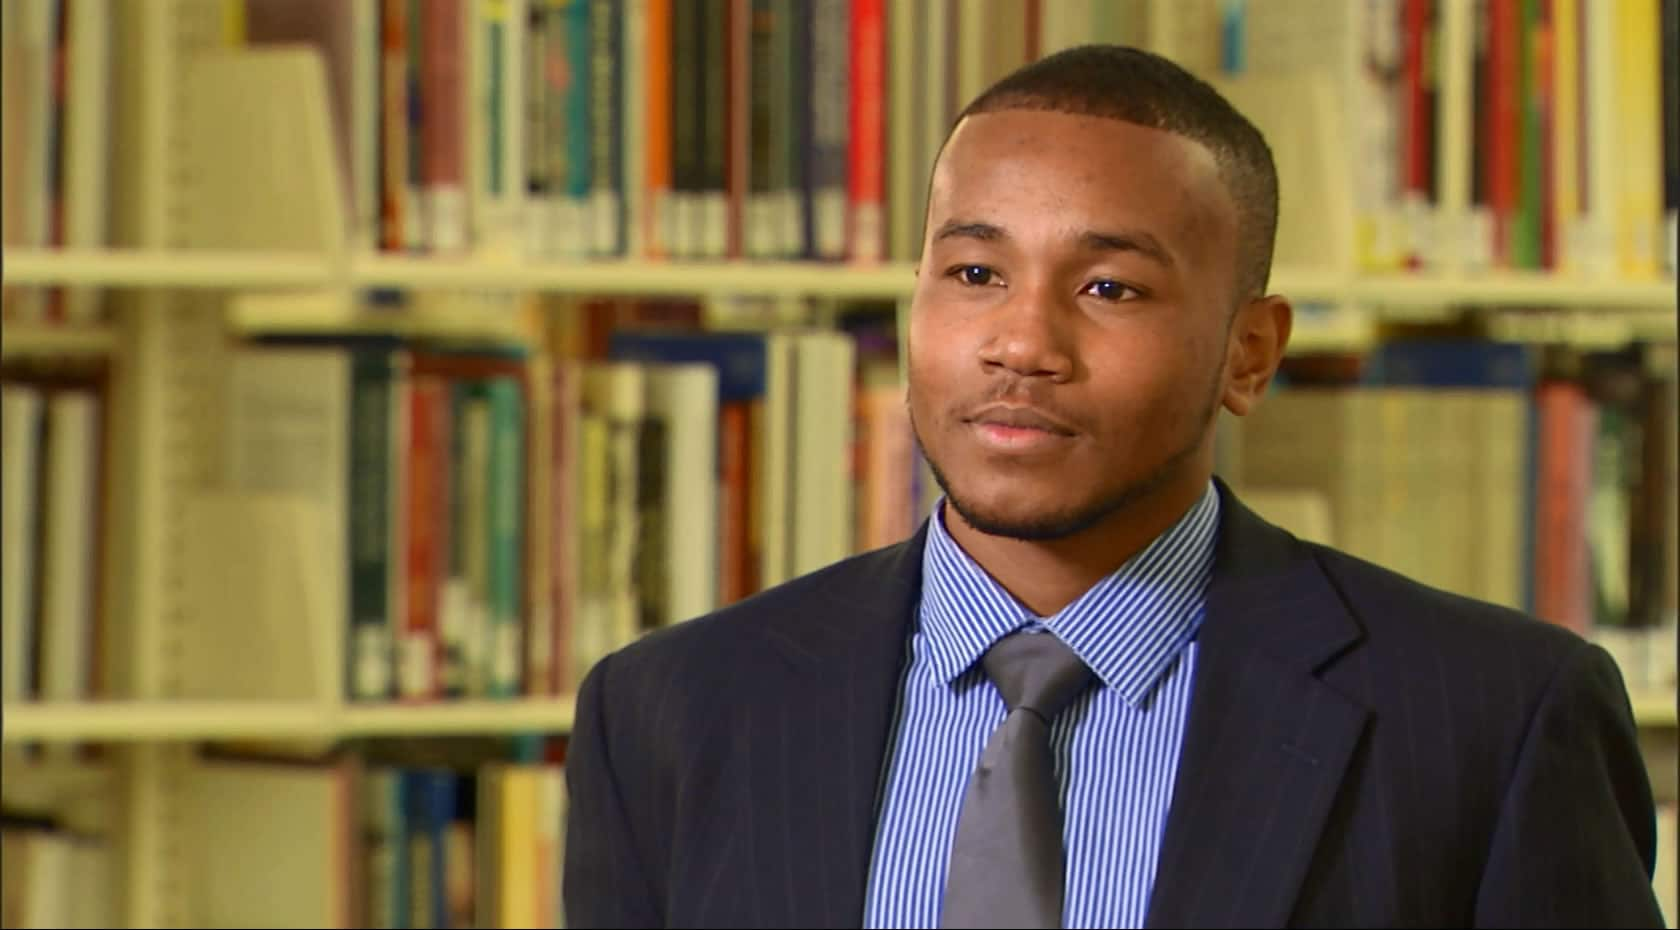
(233, 23)
(516, 873)
(1638, 209)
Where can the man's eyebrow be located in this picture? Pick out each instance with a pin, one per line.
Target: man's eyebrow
(1127, 241)
(985, 232)
(1139, 241)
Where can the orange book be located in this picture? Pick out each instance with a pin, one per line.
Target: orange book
(735, 563)
(393, 89)
(867, 233)
(658, 153)
(419, 674)
(1562, 584)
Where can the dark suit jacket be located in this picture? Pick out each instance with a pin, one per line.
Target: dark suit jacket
(1360, 751)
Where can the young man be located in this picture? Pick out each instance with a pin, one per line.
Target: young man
(1094, 690)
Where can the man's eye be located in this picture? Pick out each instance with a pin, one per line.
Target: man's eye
(1110, 290)
(974, 275)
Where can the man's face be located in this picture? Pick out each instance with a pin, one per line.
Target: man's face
(1068, 331)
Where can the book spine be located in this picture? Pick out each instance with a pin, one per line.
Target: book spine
(574, 22)
(536, 179)
(417, 223)
(417, 657)
(506, 534)
(868, 88)
(370, 524)
(788, 114)
(758, 233)
(656, 98)
(712, 179)
(606, 179)
(829, 157)
(393, 86)
(687, 76)
(443, 84)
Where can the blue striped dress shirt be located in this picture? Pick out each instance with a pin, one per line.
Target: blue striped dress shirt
(1116, 746)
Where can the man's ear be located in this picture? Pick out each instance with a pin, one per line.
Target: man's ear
(1258, 338)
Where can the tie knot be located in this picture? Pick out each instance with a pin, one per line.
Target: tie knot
(1036, 671)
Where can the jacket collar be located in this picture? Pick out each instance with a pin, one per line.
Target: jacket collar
(1267, 742)
(1265, 746)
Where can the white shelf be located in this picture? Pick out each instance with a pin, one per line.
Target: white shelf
(477, 718)
(306, 312)
(163, 269)
(38, 782)
(1513, 289)
(1654, 709)
(185, 721)
(237, 269)
(148, 721)
(887, 280)
(28, 340)
(1583, 327)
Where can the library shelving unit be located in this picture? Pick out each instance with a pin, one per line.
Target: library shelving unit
(204, 233)
(1632, 308)
(58, 342)
(186, 721)
(153, 721)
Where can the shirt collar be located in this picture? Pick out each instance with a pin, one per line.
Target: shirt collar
(1129, 627)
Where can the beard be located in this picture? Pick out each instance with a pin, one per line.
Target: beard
(1052, 526)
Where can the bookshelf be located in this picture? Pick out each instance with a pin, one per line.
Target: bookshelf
(165, 268)
(1337, 312)
(195, 721)
(58, 342)
(211, 243)
(887, 280)
(1513, 288)
(1654, 710)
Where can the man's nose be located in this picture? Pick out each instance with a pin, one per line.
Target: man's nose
(1031, 335)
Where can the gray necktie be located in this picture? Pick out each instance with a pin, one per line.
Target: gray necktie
(1007, 863)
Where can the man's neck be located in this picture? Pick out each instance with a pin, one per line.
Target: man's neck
(1048, 575)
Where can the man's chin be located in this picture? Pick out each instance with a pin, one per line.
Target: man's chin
(1027, 522)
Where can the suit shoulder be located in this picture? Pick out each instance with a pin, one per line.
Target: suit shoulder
(1393, 605)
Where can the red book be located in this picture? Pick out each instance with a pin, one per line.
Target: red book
(419, 676)
(1503, 127)
(865, 229)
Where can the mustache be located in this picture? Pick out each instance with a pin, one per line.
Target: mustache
(1006, 398)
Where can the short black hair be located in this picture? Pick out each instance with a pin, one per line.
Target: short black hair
(1137, 86)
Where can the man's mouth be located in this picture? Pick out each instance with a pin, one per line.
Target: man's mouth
(1020, 418)
(1018, 428)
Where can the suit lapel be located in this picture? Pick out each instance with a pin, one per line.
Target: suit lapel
(1264, 752)
(816, 765)
(1266, 743)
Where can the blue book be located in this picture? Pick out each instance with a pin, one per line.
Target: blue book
(740, 358)
(1468, 364)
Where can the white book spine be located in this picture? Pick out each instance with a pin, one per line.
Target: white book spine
(69, 551)
(830, 222)
(685, 398)
(87, 116)
(364, 123)
(634, 128)
(791, 214)
(603, 206)
(1595, 241)
(714, 224)
(51, 885)
(21, 409)
(35, 52)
